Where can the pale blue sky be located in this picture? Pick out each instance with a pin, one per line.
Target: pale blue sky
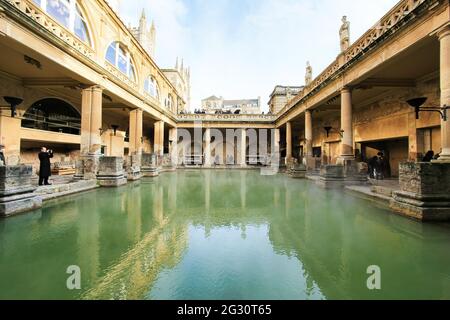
(243, 48)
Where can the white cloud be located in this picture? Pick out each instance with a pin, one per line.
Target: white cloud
(243, 48)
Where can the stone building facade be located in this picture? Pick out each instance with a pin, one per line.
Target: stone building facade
(280, 96)
(215, 104)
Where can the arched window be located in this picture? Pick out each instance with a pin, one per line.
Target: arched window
(119, 57)
(169, 102)
(69, 14)
(151, 87)
(52, 115)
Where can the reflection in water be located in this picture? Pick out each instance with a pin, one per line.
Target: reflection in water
(220, 235)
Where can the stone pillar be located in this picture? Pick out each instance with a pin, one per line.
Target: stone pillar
(309, 160)
(347, 144)
(412, 137)
(173, 137)
(91, 123)
(159, 138)
(275, 149)
(444, 39)
(134, 161)
(10, 138)
(288, 142)
(136, 136)
(207, 151)
(243, 153)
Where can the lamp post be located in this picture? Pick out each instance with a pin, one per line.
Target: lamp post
(329, 130)
(115, 127)
(417, 104)
(13, 102)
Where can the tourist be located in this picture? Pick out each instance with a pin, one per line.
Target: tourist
(373, 164)
(428, 157)
(2, 156)
(45, 170)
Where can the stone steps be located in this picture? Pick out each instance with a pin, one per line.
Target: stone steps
(60, 190)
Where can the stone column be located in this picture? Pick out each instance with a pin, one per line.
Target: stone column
(159, 138)
(10, 138)
(444, 39)
(275, 148)
(288, 142)
(347, 152)
(243, 160)
(173, 138)
(308, 141)
(135, 146)
(91, 123)
(207, 151)
(136, 123)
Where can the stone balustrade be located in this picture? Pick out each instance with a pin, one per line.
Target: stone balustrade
(227, 118)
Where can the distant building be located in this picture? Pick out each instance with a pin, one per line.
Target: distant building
(280, 96)
(215, 104)
(180, 77)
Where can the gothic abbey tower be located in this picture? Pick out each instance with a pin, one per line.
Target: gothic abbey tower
(145, 35)
(179, 76)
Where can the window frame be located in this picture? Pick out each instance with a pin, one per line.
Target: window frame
(74, 10)
(121, 52)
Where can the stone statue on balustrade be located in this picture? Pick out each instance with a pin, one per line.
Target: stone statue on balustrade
(308, 75)
(344, 34)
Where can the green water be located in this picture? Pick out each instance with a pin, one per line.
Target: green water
(220, 235)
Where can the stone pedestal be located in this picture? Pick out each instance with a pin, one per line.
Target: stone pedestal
(149, 166)
(134, 163)
(86, 167)
(331, 176)
(16, 190)
(297, 171)
(424, 191)
(346, 174)
(111, 173)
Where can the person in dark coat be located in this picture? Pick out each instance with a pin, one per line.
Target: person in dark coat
(373, 165)
(2, 156)
(45, 171)
(428, 157)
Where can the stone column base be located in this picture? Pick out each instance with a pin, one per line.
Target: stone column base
(425, 191)
(111, 173)
(134, 167)
(16, 190)
(87, 167)
(297, 171)
(338, 176)
(150, 171)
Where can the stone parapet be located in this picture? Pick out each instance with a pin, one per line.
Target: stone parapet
(16, 190)
(111, 172)
(424, 191)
